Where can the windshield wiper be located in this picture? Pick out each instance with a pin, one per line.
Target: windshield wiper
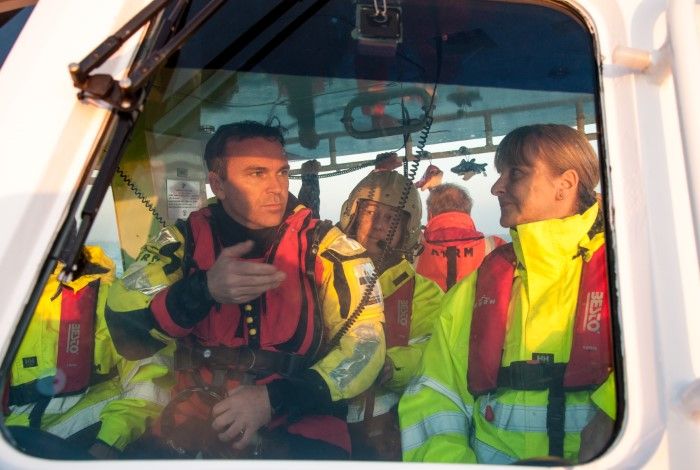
(127, 96)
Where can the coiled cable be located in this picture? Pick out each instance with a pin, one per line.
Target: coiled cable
(140, 195)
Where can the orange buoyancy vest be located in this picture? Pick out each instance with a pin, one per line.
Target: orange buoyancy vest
(398, 309)
(453, 248)
(590, 360)
(74, 351)
(282, 318)
(286, 319)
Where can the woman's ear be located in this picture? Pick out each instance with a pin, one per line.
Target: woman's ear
(568, 183)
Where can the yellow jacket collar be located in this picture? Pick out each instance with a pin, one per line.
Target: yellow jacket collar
(544, 246)
(396, 276)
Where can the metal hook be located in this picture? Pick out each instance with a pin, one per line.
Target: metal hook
(379, 15)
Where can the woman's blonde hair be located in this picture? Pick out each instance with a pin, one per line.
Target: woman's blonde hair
(560, 147)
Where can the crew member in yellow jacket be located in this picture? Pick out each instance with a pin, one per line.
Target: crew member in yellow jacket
(68, 380)
(411, 304)
(520, 364)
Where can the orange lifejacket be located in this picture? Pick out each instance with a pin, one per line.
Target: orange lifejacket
(453, 248)
(590, 361)
(398, 308)
(74, 354)
(286, 319)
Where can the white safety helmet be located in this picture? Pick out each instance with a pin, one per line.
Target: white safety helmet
(386, 186)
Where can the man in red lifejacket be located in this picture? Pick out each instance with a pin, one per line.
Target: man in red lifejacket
(453, 248)
(264, 302)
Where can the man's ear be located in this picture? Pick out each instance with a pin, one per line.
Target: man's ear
(217, 185)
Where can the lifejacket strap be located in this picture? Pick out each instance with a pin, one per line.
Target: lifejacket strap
(556, 412)
(529, 375)
(190, 357)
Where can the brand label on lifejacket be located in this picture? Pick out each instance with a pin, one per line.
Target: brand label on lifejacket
(543, 358)
(594, 306)
(484, 300)
(28, 362)
(403, 312)
(73, 344)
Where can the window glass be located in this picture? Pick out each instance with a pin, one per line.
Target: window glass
(378, 109)
(11, 23)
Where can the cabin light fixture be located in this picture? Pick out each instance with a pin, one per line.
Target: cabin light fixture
(378, 29)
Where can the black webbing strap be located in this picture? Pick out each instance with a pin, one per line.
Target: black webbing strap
(31, 392)
(191, 356)
(556, 409)
(37, 412)
(451, 253)
(530, 376)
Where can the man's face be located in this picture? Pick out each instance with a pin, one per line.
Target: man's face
(373, 222)
(255, 188)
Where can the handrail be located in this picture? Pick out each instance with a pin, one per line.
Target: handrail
(685, 44)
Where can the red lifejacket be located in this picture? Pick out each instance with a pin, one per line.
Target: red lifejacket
(74, 354)
(282, 319)
(225, 326)
(76, 338)
(452, 248)
(398, 308)
(590, 361)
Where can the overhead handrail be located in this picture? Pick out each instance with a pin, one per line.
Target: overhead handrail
(685, 45)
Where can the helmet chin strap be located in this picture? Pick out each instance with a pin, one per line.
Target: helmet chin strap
(383, 245)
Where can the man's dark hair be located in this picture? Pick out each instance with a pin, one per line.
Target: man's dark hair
(448, 197)
(237, 131)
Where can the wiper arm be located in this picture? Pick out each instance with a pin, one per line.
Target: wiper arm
(126, 96)
(101, 87)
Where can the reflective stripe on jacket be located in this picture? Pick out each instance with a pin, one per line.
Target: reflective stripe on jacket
(453, 248)
(437, 412)
(122, 395)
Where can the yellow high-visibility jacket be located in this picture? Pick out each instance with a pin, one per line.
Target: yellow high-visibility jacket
(123, 395)
(442, 422)
(425, 308)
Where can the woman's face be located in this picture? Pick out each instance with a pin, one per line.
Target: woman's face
(529, 193)
(373, 222)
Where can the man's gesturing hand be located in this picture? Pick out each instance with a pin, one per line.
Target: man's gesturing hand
(232, 280)
(239, 416)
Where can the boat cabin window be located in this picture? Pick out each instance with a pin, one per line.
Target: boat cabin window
(422, 97)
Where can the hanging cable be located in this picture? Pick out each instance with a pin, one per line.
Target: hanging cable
(396, 219)
(140, 195)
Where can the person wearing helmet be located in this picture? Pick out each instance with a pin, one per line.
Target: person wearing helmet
(383, 213)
